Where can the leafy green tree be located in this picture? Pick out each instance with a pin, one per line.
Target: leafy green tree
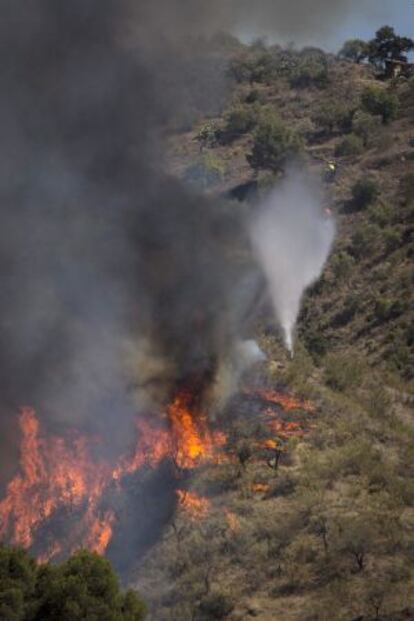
(354, 49)
(84, 588)
(377, 101)
(275, 144)
(17, 583)
(388, 46)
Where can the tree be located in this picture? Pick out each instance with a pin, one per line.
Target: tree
(378, 101)
(274, 144)
(354, 49)
(17, 583)
(388, 46)
(357, 536)
(84, 588)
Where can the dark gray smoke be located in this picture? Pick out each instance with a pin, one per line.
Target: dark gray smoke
(114, 277)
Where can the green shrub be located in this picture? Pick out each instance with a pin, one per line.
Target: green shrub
(333, 116)
(393, 236)
(365, 125)
(350, 145)
(365, 240)
(316, 343)
(342, 372)
(240, 120)
(255, 65)
(207, 135)
(342, 265)
(274, 144)
(310, 72)
(381, 214)
(378, 101)
(364, 192)
(386, 309)
(348, 312)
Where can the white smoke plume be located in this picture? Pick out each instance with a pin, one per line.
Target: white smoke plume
(291, 237)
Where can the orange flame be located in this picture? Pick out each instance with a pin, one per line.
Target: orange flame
(287, 402)
(55, 473)
(260, 488)
(192, 440)
(195, 506)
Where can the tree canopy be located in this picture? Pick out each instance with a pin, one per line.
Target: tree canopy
(83, 588)
(388, 46)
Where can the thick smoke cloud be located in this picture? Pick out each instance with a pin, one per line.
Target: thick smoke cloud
(113, 276)
(116, 280)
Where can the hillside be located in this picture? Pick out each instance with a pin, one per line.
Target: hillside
(318, 525)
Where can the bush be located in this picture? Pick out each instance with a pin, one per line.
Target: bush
(240, 120)
(365, 240)
(386, 309)
(310, 72)
(350, 145)
(342, 372)
(364, 193)
(333, 116)
(393, 236)
(378, 101)
(381, 214)
(365, 125)
(274, 144)
(257, 65)
(342, 265)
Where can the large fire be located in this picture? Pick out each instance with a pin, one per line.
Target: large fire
(61, 476)
(57, 473)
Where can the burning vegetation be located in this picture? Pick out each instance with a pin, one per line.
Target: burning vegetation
(60, 477)
(59, 474)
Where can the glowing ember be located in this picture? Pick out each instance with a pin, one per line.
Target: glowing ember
(196, 507)
(287, 402)
(285, 429)
(232, 521)
(260, 488)
(269, 444)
